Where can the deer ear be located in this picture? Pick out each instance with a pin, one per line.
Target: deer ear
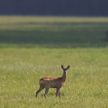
(68, 67)
(62, 67)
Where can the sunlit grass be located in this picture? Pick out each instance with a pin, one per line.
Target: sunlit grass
(51, 19)
(53, 23)
(21, 68)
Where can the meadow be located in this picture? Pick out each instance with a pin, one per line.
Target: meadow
(32, 47)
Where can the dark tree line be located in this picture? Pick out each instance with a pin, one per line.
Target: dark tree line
(55, 7)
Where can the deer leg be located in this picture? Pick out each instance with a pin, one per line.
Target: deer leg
(58, 92)
(46, 91)
(40, 89)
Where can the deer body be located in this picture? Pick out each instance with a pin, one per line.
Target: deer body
(50, 82)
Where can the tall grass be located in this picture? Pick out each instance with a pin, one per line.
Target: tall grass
(21, 68)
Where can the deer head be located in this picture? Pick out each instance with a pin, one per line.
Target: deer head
(65, 69)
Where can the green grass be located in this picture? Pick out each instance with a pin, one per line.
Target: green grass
(54, 39)
(29, 51)
(53, 31)
(86, 85)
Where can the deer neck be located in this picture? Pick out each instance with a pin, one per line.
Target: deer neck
(64, 76)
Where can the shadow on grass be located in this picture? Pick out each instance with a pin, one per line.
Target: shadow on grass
(52, 39)
(50, 94)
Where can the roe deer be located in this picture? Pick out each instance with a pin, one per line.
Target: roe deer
(50, 82)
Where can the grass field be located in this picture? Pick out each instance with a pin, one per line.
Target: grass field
(32, 47)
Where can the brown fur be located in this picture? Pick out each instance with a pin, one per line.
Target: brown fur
(50, 82)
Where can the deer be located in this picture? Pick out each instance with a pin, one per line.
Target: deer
(51, 82)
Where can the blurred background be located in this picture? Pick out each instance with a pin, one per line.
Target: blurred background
(55, 7)
(63, 23)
